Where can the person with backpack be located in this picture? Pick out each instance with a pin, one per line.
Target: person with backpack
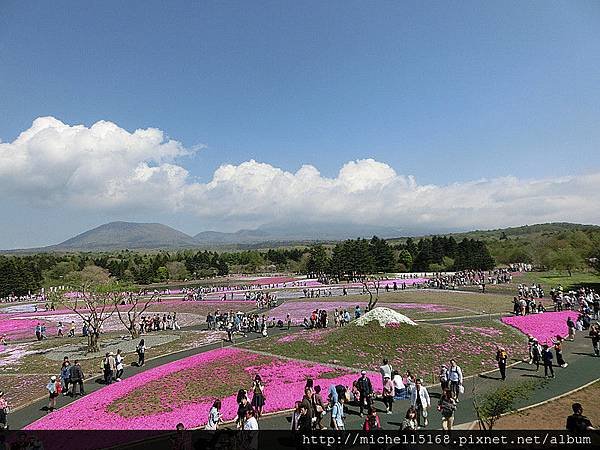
(141, 352)
(54, 389)
(65, 375)
(447, 407)
(558, 349)
(365, 389)
(76, 376)
(108, 367)
(547, 360)
(455, 378)
(337, 415)
(577, 422)
(372, 422)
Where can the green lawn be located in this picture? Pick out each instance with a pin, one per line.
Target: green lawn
(420, 349)
(552, 279)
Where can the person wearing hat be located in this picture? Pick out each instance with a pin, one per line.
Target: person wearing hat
(3, 412)
(53, 388)
(365, 390)
(502, 358)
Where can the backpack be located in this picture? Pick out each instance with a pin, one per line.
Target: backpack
(58, 387)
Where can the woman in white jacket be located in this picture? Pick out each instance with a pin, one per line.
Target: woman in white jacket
(419, 399)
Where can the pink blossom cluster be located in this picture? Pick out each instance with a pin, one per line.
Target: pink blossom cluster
(19, 328)
(544, 327)
(298, 310)
(284, 381)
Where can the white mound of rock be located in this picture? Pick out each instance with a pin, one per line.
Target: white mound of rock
(385, 317)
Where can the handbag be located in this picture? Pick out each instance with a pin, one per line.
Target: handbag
(461, 389)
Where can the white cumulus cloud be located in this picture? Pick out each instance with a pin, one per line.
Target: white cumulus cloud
(106, 168)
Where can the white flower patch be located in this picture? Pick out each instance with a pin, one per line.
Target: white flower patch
(385, 317)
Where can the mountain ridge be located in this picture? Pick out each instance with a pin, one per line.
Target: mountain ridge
(121, 235)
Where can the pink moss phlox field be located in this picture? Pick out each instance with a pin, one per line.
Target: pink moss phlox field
(19, 328)
(544, 327)
(284, 381)
(298, 310)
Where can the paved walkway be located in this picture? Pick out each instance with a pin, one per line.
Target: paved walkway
(582, 369)
(27, 414)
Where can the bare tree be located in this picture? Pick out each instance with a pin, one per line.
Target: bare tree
(136, 306)
(370, 286)
(94, 308)
(94, 301)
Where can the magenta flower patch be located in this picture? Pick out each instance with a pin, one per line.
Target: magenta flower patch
(114, 406)
(544, 327)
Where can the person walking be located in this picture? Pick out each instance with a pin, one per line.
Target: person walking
(319, 407)
(571, 327)
(258, 397)
(65, 375)
(455, 377)
(447, 407)
(443, 377)
(337, 415)
(595, 337)
(109, 368)
(420, 400)
(214, 416)
(294, 424)
(304, 420)
(410, 422)
(558, 350)
(250, 424)
(365, 389)
(547, 360)
(388, 394)
(577, 422)
(119, 365)
(141, 352)
(385, 370)
(502, 358)
(372, 422)
(54, 388)
(536, 353)
(399, 388)
(76, 379)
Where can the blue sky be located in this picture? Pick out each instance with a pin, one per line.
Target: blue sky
(447, 92)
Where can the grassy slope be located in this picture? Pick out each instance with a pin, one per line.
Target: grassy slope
(420, 349)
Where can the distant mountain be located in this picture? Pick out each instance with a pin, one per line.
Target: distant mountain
(126, 235)
(155, 236)
(295, 233)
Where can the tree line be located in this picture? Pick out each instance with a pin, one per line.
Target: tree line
(354, 258)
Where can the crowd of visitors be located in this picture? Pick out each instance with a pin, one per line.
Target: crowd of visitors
(455, 280)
